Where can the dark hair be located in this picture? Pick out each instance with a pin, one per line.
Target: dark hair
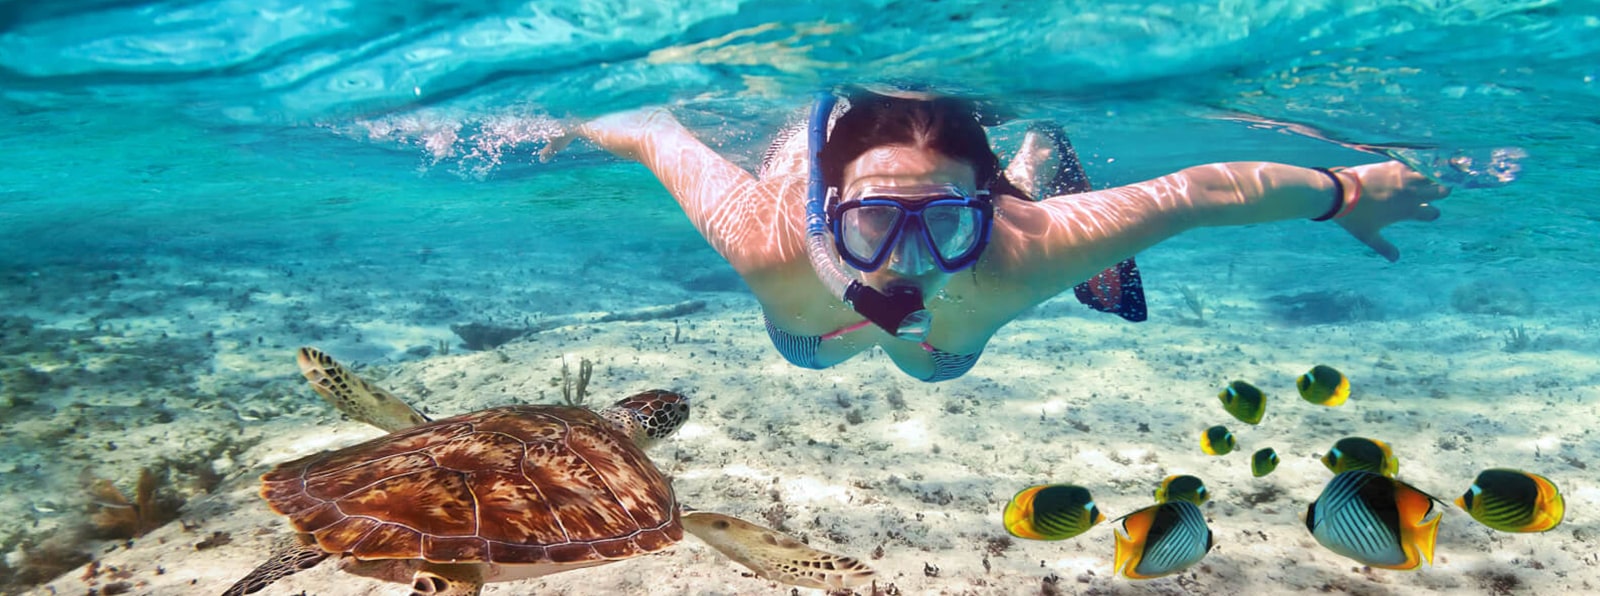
(949, 126)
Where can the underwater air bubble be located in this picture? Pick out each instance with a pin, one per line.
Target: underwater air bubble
(1461, 168)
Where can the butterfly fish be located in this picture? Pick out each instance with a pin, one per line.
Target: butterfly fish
(1182, 487)
(1375, 520)
(1244, 401)
(1324, 386)
(1359, 453)
(1513, 501)
(1217, 440)
(1051, 512)
(1162, 539)
(1263, 462)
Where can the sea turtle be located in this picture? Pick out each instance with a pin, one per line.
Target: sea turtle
(501, 494)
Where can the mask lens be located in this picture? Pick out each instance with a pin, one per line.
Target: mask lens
(868, 229)
(952, 230)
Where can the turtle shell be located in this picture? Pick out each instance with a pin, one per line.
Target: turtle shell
(510, 485)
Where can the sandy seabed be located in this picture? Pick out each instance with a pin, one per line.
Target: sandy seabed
(189, 370)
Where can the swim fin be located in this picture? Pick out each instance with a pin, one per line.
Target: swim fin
(1117, 290)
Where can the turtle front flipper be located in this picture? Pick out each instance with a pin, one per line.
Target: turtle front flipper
(290, 555)
(353, 395)
(447, 580)
(774, 555)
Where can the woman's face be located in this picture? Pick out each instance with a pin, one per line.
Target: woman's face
(906, 166)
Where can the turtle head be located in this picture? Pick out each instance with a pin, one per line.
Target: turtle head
(650, 416)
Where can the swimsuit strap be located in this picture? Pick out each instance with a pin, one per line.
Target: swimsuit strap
(840, 332)
(843, 330)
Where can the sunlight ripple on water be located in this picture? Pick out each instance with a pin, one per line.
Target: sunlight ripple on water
(1380, 71)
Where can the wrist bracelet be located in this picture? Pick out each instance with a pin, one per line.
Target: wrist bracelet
(1349, 205)
(1338, 195)
(1344, 205)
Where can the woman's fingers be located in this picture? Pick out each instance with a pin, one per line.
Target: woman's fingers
(1380, 244)
(556, 144)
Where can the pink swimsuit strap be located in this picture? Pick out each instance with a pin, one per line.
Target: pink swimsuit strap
(835, 334)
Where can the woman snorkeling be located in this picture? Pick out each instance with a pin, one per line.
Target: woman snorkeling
(890, 222)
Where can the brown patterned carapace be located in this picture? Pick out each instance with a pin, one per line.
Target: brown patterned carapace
(514, 484)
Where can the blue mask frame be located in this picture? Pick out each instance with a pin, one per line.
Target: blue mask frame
(912, 217)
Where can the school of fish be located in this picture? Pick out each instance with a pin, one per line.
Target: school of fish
(1365, 513)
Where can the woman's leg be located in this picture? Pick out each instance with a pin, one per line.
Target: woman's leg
(1045, 148)
(1046, 165)
(789, 154)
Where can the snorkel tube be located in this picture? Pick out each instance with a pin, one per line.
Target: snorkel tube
(900, 312)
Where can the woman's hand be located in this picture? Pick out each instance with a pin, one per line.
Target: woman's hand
(621, 133)
(559, 141)
(1390, 192)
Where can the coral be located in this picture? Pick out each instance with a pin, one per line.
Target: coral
(1517, 340)
(31, 565)
(1317, 308)
(24, 380)
(1498, 582)
(484, 336)
(113, 515)
(575, 394)
(654, 313)
(997, 545)
(481, 336)
(1265, 494)
(1491, 297)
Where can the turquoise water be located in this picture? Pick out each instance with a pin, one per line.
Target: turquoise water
(173, 174)
(180, 107)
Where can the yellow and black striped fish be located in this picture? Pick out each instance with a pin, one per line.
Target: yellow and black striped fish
(1360, 453)
(1051, 512)
(1324, 386)
(1376, 520)
(1244, 401)
(1217, 440)
(1182, 487)
(1263, 462)
(1161, 539)
(1514, 501)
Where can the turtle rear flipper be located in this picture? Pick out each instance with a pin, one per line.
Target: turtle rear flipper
(290, 555)
(353, 395)
(774, 555)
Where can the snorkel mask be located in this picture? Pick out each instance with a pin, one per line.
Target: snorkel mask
(942, 223)
(924, 226)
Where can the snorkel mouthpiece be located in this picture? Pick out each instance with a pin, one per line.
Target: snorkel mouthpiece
(900, 311)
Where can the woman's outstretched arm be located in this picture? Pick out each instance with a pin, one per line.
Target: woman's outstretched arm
(723, 201)
(1053, 244)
